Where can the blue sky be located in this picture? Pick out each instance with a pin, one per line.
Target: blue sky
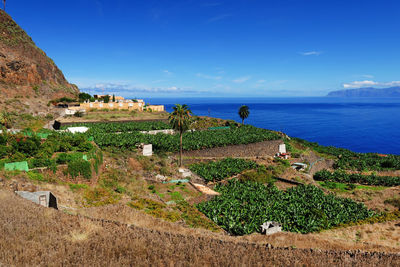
(217, 48)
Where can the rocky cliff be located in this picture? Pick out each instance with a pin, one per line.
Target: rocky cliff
(26, 72)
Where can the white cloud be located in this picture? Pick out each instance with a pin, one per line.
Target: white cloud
(261, 81)
(241, 79)
(209, 77)
(367, 76)
(129, 88)
(159, 81)
(369, 83)
(167, 72)
(311, 53)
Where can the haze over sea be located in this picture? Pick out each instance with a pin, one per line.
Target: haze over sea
(358, 124)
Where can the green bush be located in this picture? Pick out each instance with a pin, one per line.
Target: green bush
(261, 175)
(79, 167)
(85, 147)
(64, 158)
(28, 146)
(4, 151)
(3, 139)
(36, 176)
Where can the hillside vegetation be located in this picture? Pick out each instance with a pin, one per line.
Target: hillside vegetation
(27, 74)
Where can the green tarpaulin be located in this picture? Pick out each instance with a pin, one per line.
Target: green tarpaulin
(17, 166)
(177, 181)
(40, 135)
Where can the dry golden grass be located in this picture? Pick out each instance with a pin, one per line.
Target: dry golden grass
(383, 234)
(34, 235)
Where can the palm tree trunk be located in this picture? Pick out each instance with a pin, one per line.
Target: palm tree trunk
(242, 121)
(180, 152)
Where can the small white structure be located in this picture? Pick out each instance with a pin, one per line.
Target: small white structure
(282, 154)
(269, 228)
(161, 178)
(148, 150)
(282, 149)
(77, 129)
(44, 198)
(70, 111)
(185, 172)
(13, 131)
(299, 166)
(73, 111)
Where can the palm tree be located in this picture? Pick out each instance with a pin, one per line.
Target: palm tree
(244, 112)
(180, 121)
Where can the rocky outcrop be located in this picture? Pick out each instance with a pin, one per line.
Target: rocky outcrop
(25, 70)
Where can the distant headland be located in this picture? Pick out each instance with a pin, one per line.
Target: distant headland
(367, 92)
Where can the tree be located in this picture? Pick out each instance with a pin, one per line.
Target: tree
(180, 121)
(113, 99)
(244, 112)
(84, 96)
(106, 98)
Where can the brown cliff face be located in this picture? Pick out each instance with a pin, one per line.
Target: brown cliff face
(25, 70)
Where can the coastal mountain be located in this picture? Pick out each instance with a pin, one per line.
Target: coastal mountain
(367, 92)
(27, 74)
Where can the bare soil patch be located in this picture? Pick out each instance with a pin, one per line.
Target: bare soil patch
(261, 149)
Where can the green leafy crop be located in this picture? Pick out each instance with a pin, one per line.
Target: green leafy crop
(243, 206)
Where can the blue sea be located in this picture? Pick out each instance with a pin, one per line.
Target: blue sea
(358, 124)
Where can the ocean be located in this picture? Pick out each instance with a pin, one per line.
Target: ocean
(358, 124)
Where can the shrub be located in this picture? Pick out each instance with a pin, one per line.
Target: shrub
(36, 176)
(26, 145)
(79, 167)
(4, 150)
(85, 146)
(343, 177)
(260, 175)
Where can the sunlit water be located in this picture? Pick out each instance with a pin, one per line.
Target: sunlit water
(359, 124)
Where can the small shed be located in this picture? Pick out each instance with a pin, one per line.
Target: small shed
(148, 150)
(44, 198)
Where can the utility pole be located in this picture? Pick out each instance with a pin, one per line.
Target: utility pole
(4, 5)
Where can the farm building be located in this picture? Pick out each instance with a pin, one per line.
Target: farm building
(44, 198)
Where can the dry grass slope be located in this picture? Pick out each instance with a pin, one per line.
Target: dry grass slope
(33, 235)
